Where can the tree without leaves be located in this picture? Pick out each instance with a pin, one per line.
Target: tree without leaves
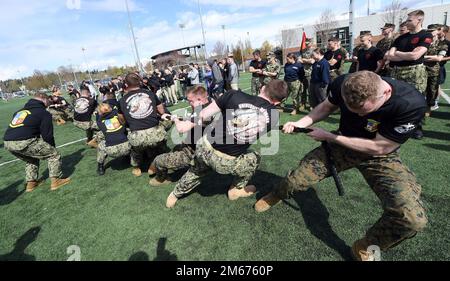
(395, 13)
(325, 25)
(219, 49)
(265, 48)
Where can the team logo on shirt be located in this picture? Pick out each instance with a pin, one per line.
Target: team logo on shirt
(112, 125)
(139, 105)
(368, 56)
(81, 105)
(415, 40)
(403, 129)
(19, 118)
(247, 122)
(428, 40)
(372, 125)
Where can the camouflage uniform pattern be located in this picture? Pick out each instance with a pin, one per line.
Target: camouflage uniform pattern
(256, 85)
(206, 159)
(91, 129)
(341, 69)
(295, 90)
(385, 45)
(393, 183)
(33, 150)
(307, 54)
(272, 67)
(415, 75)
(113, 151)
(150, 142)
(180, 158)
(436, 48)
(65, 114)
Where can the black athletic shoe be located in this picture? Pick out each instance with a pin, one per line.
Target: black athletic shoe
(100, 169)
(418, 135)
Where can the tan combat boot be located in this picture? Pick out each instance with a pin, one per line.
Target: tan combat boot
(294, 112)
(158, 181)
(92, 143)
(266, 202)
(58, 182)
(60, 122)
(359, 251)
(137, 172)
(152, 170)
(31, 185)
(236, 193)
(171, 200)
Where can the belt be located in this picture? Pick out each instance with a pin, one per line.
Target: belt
(215, 151)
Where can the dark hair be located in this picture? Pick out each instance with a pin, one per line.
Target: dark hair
(318, 51)
(292, 56)
(334, 39)
(276, 90)
(133, 80)
(257, 53)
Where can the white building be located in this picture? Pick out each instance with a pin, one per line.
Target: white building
(292, 37)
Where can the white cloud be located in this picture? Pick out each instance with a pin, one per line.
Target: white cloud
(12, 72)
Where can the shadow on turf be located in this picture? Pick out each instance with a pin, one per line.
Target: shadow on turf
(18, 253)
(69, 162)
(10, 193)
(436, 135)
(316, 215)
(440, 115)
(443, 147)
(161, 253)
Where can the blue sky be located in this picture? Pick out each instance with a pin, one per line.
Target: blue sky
(46, 34)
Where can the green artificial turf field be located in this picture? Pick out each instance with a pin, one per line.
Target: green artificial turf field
(120, 217)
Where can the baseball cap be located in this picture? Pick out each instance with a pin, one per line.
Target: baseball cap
(388, 25)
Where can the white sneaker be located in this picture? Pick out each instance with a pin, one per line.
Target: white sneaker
(435, 107)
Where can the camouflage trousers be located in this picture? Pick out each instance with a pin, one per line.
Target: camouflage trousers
(256, 85)
(335, 73)
(150, 142)
(91, 129)
(415, 75)
(305, 93)
(167, 124)
(65, 114)
(317, 94)
(295, 90)
(180, 158)
(113, 151)
(432, 90)
(393, 183)
(31, 151)
(207, 159)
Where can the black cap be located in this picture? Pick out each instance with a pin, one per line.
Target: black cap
(365, 32)
(388, 25)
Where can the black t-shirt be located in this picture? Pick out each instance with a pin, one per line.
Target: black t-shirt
(61, 102)
(337, 55)
(139, 109)
(258, 65)
(30, 122)
(368, 59)
(197, 132)
(395, 120)
(113, 103)
(74, 93)
(114, 132)
(244, 119)
(408, 42)
(84, 108)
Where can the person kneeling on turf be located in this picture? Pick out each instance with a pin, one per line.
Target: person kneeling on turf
(244, 119)
(116, 142)
(182, 155)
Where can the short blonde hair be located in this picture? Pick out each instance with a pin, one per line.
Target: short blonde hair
(360, 87)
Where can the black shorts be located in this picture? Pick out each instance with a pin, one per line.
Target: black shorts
(442, 75)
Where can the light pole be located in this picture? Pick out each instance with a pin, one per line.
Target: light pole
(182, 26)
(203, 30)
(87, 66)
(134, 39)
